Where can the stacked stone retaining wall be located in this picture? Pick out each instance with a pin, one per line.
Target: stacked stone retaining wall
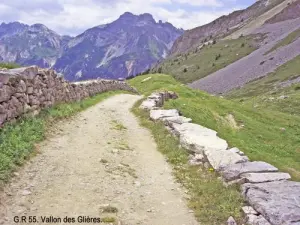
(30, 89)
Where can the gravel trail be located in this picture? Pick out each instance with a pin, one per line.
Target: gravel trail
(100, 158)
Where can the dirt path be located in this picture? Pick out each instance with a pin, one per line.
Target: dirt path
(102, 157)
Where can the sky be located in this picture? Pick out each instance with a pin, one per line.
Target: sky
(72, 17)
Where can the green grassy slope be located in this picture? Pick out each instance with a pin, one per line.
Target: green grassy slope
(199, 63)
(286, 41)
(268, 91)
(263, 134)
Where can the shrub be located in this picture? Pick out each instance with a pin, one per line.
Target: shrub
(218, 56)
(243, 45)
(185, 70)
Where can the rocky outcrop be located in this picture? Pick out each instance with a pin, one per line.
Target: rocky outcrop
(272, 198)
(30, 89)
(290, 12)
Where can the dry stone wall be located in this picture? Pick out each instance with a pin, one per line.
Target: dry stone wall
(271, 197)
(30, 89)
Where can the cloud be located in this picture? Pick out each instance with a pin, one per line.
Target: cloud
(200, 2)
(74, 16)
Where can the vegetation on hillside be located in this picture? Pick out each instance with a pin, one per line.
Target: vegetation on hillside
(18, 140)
(279, 90)
(9, 65)
(210, 58)
(263, 134)
(286, 41)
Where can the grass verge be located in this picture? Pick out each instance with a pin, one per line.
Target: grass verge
(210, 200)
(263, 134)
(17, 140)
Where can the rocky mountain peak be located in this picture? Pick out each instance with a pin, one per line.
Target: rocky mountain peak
(147, 17)
(125, 47)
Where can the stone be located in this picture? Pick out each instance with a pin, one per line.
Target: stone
(26, 192)
(176, 119)
(265, 177)
(3, 118)
(148, 104)
(220, 158)
(21, 87)
(283, 97)
(249, 210)
(234, 171)
(193, 162)
(5, 93)
(154, 96)
(236, 150)
(196, 160)
(27, 72)
(146, 79)
(159, 114)
(231, 221)
(197, 138)
(256, 220)
(29, 90)
(239, 181)
(278, 202)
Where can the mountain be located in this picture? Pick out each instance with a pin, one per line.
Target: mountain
(247, 56)
(28, 45)
(125, 47)
(222, 26)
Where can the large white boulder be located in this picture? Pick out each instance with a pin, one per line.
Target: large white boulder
(220, 158)
(148, 104)
(198, 139)
(176, 119)
(160, 113)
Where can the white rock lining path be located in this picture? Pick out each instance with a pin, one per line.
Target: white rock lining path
(271, 197)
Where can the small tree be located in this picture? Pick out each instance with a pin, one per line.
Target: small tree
(214, 41)
(159, 70)
(185, 70)
(243, 45)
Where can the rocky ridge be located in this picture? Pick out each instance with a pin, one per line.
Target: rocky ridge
(273, 199)
(28, 90)
(123, 48)
(221, 27)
